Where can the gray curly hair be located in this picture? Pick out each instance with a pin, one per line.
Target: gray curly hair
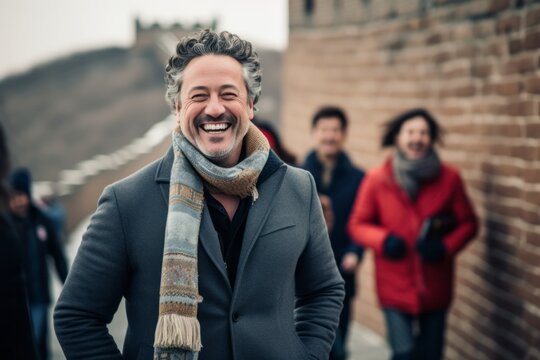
(207, 42)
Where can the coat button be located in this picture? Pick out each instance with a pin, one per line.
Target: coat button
(235, 317)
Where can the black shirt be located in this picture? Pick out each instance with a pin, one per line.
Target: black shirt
(231, 233)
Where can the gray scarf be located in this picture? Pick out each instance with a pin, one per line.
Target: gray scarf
(410, 173)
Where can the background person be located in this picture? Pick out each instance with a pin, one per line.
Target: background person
(414, 265)
(337, 181)
(274, 140)
(39, 241)
(16, 341)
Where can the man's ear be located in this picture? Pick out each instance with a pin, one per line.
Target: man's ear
(251, 111)
(178, 119)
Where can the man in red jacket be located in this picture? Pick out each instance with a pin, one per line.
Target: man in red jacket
(414, 213)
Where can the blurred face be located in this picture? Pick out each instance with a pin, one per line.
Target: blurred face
(214, 110)
(19, 204)
(414, 139)
(328, 137)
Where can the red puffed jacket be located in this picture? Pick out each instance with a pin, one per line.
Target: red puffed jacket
(382, 208)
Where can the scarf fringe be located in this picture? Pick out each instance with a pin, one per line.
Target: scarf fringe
(176, 331)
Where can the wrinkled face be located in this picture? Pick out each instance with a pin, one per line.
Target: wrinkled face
(214, 108)
(328, 137)
(414, 139)
(19, 203)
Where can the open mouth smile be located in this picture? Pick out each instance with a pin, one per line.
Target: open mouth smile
(215, 128)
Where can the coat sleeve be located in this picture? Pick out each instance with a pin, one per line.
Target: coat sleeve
(94, 287)
(467, 223)
(319, 287)
(363, 225)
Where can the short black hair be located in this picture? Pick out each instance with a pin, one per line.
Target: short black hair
(393, 127)
(328, 112)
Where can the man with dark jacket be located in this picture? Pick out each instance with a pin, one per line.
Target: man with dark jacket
(337, 181)
(219, 248)
(39, 240)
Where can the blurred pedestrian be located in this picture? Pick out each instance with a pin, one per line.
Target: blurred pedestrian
(274, 140)
(52, 207)
(219, 248)
(39, 241)
(337, 181)
(414, 213)
(16, 342)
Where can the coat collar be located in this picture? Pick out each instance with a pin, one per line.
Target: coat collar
(268, 183)
(313, 165)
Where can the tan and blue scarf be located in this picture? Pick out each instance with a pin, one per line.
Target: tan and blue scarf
(178, 333)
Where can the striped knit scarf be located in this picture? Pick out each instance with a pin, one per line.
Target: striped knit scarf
(178, 334)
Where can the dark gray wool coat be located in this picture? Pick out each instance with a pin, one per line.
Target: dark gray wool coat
(288, 292)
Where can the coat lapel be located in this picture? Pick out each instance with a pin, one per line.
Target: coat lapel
(258, 214)
(210, 242)
(163, 174)
(207, 234)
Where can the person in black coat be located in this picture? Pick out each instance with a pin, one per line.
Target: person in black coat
(39, 239)
(337, 181)
(16, 331)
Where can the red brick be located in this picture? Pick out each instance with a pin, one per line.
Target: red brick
(531, 175)
(532, 85)
(532, 130)
(508, 24)
(529, 257)
(499, 5)
(515, 46)
(481, 70)
(532, 17)
(442, 57)
(498, 47)
(532, 197)
(508, 88)
(532, 41)
(519, 108)
(522, 65)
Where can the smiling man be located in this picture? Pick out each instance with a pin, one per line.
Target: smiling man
(414, 213)
(219, 248)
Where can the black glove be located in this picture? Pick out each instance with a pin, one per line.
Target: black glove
(394, 247)
(431, 250)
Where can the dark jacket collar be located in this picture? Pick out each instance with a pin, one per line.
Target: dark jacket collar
(163, 172)
(314, 166)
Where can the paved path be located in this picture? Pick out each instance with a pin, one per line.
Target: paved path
(363, 343)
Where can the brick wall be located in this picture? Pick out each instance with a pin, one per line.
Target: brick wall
(475, 65)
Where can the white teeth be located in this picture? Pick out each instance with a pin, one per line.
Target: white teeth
(215, 127)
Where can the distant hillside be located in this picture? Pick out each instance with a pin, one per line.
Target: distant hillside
(94, 103)
(72, 109)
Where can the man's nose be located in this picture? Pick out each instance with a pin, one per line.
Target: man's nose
(214, 108)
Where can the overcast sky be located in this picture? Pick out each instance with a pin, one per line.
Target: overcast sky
(35, 31)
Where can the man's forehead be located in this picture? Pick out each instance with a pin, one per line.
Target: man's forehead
(213, 71)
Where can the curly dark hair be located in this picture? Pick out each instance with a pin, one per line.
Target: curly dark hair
(393, 126)
(207, 42)
(330, 112)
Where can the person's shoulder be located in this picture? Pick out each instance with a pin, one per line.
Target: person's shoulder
(297, 174)
(379, 172)
(450, 172)
(357, 171)
(139, 180)
(297, 180)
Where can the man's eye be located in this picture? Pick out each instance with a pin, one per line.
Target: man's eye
(198, 97)
(229, 96)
